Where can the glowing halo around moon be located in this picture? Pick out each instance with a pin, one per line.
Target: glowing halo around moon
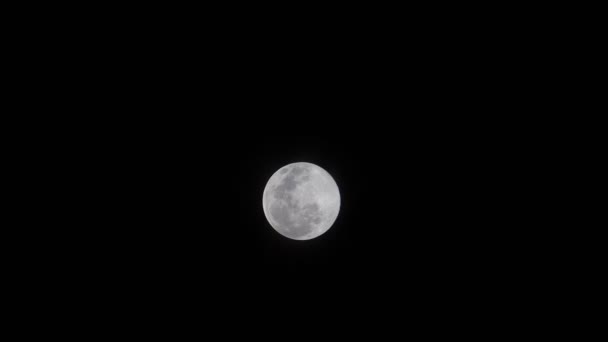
(301, 201)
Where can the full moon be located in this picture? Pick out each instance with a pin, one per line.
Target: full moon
(301, 201)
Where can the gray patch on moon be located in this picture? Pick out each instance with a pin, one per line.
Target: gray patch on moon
(312, 214)
(296, 170)
(311, 210)
(288, 183)
(307, 215)
(280, 214)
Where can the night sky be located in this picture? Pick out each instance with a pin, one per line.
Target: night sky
(162, 210)
(166, 185)
(155, 140)
(180, 209)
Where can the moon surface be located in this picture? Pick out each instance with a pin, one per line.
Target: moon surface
(301, 201)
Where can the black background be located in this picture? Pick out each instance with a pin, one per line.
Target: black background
(170, 207)
(161, 160)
